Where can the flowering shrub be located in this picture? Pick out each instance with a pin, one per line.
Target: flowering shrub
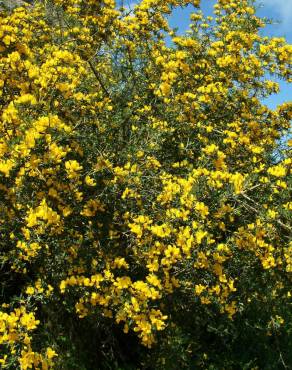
(145, 189)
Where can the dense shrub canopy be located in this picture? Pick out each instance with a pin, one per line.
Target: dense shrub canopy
(145, 189)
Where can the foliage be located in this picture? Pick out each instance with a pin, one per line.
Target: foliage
(144, 195)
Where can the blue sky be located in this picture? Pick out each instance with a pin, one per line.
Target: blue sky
(278, 10)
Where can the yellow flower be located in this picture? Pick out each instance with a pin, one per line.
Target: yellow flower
(72, 168)
(200, 234)
(199, 289)
(202, 209)
(277, 171)
(51, 353)
(89, 181)
(29, 290)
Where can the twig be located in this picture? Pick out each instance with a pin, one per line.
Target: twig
(257, 211)
(98, 78)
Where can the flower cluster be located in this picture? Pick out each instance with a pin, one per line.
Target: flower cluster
(140, 179)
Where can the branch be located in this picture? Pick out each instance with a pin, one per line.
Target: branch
(257, 211)
(98, 78)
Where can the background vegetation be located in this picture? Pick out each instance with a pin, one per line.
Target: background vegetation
(145, 189)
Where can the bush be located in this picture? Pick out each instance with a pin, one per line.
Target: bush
(144, 189)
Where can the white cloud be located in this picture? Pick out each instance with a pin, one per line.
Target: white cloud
(280, 10)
